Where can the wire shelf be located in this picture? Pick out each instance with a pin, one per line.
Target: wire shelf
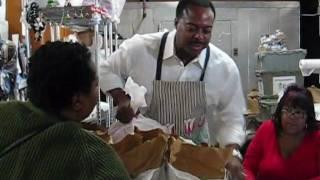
(74, 16)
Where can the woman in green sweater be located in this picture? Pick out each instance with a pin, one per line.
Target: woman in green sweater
(43, 138)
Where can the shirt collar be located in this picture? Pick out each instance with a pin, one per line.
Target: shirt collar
(169, 50)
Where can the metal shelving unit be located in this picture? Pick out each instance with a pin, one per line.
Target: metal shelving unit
(85, 17)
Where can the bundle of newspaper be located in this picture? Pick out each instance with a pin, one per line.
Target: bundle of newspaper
(273, 42)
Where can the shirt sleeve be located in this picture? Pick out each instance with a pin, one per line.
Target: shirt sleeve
(255, 151)
(231, 109)
(115, 69)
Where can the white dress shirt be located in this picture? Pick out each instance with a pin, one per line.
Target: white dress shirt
(137, 58)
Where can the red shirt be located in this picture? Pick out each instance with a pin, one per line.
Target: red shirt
(263, 159)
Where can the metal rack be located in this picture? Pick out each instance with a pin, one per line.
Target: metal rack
(83, 16)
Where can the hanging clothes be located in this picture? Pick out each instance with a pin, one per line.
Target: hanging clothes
(8, 70)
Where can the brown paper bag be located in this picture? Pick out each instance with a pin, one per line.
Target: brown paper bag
(253, 107)
(142, 151)
(103, 135)
(203, 162)
(315, 93)
(151, 149)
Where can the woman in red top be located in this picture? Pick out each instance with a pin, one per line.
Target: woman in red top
(288, 145)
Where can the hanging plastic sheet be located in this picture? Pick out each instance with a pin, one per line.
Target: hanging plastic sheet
(114, 7)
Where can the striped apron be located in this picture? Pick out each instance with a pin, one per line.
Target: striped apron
(181, 103)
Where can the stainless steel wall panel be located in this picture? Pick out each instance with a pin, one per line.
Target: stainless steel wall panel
(222, 36)
(144, 25)
(289, 23)
(243, 45)
(226, 14)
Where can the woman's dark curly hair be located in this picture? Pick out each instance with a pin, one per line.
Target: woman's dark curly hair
(296, 97)
(58, 71)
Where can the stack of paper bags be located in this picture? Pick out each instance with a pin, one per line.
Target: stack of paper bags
(147, 150)
(253, 107)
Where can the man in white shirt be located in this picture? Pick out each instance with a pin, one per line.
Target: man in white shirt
(190, 82)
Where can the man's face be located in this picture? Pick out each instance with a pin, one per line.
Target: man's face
(193, 31)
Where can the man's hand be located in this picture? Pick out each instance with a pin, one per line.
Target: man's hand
(234, 166)
(124, 112)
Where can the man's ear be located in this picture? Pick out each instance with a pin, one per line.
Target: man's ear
(175, 22)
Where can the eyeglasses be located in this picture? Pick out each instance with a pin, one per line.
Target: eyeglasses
(298, 113)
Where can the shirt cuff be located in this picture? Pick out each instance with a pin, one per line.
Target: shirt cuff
(110, 82)
(231, 135)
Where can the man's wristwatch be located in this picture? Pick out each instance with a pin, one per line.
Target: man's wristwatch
(236, 153)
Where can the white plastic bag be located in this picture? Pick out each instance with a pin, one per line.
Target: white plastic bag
(117, 7)
(118, 130)
(136, 93)
(166, 171)
(114, 7)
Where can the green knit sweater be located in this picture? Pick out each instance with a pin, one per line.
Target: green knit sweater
(63, 150)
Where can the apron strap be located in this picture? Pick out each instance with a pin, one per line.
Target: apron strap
(205, 63)
(160, 55)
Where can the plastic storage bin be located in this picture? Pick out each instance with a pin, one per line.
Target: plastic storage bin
(276, 69)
